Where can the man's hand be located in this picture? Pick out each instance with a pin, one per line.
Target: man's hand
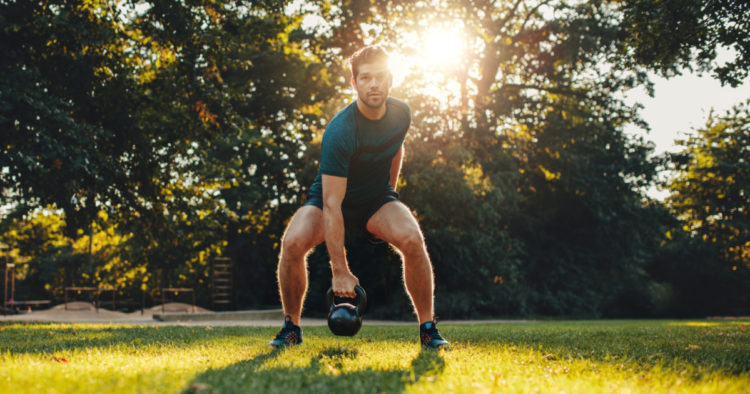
(343, 284)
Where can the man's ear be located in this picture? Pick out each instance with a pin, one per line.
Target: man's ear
(354, 83)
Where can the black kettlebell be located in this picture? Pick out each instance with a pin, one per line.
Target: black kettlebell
(345, 319)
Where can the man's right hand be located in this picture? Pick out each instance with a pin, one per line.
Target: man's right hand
(343, 284)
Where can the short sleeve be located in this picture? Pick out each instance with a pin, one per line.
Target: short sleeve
(336, 152)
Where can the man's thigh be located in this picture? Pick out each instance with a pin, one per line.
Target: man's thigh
(306, 227)
(393, 223)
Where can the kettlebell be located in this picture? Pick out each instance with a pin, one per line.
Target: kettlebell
(345, 319)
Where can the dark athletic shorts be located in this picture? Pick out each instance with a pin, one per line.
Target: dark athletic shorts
(356, 217)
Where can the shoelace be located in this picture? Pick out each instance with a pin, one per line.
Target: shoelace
(285, 331)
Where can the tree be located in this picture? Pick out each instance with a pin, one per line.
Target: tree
(64, 74)
(195, 121)
(704, 264)
(710, 192)
(589, 233)
(47, 260)
(518, 168)
(667, 35)
(264, 88)
(182, 121)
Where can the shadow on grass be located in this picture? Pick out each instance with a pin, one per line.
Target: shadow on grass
(331, 370)
(692, 348)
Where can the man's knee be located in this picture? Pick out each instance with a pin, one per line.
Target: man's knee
(294, 247)
(302, 234)
(411, 242)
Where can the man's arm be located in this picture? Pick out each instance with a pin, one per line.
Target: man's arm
(334, 190)
(396, 166)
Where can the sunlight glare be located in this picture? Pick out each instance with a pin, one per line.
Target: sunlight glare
(400, 66)
(443, 48)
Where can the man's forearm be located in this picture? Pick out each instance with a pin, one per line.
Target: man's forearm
(333, 228)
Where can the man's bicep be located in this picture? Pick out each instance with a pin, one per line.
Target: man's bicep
(336, 153)
(334, 190)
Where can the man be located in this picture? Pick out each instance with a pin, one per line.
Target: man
(360, 162)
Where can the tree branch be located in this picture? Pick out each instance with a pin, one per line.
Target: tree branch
(529, 15)
(511, 14)
(550, 89)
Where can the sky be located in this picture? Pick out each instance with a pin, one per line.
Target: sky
(682, 104)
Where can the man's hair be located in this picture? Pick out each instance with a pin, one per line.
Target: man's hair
(367, 55)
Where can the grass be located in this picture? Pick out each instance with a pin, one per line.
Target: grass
(569, 356)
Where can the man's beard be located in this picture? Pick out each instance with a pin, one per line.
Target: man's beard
(376, 104)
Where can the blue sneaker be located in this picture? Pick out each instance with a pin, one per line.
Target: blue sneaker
(289, 335)
(430, 337)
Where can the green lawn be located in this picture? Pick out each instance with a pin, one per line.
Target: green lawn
(570, 356)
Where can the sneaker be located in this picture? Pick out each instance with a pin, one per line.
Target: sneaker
(430, 337)
(289, 335)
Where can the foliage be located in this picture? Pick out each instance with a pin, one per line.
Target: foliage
(47, 260)
(588, 233)
(63, 143)
(539, 206)
(667, 35)
(710, 191)
(171, 133)
(180, 120)
(709, 197)
(38, 247)
(680, 356)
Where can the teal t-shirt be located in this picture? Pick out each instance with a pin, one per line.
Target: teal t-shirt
(362, 150)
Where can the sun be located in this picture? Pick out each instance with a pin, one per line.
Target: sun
(442, 48)
(432, 58)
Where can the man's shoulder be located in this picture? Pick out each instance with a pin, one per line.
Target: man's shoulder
(401, 108)
(343, 119)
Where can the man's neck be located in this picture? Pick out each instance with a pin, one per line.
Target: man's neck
(369, 112)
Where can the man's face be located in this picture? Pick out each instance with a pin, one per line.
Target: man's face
(373, 84)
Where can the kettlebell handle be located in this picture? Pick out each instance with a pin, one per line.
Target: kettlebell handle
(361, 299)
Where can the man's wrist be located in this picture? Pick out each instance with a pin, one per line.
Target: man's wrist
(339, 268)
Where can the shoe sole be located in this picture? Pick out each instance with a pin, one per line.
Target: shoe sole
(283, 346)
(439, 347)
